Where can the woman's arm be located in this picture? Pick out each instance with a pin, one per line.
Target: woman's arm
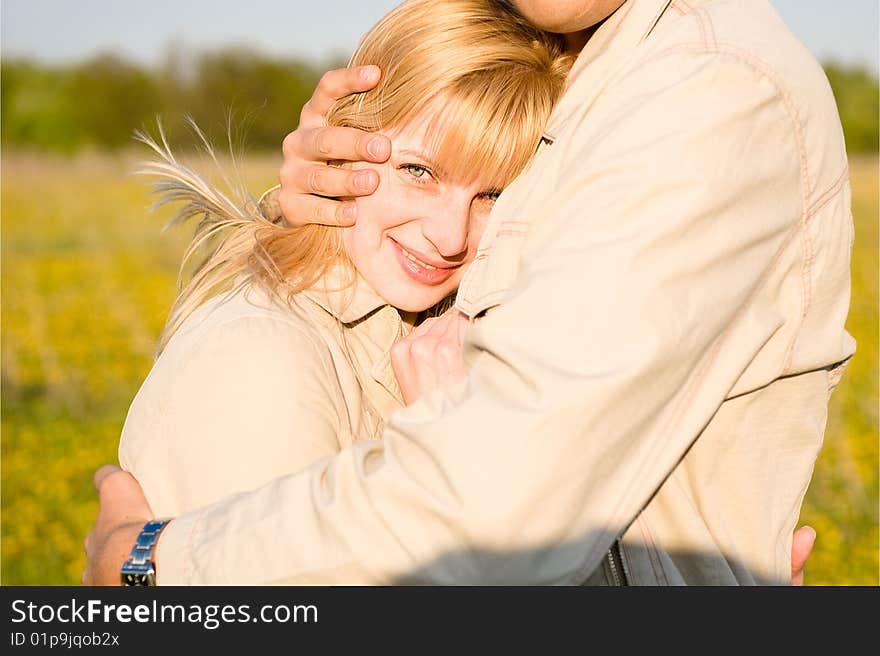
(227, 409)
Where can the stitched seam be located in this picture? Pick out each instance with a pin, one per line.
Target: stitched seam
(646, 539)
(810, 256)
(624, 552)
(829, 194)
(510, 228)
(699, 18)
(710, 29)
(806, 286)
(654, 552)
(188, 549)
(764, 69)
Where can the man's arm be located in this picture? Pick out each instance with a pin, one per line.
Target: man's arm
(618, 341)
(124, 511)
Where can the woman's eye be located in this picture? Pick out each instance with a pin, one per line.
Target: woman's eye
(417, 171)
(492, 195)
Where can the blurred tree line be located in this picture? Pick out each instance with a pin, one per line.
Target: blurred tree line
(100, 102)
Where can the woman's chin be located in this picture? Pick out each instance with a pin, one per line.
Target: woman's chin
(414, 307)
(412, 303)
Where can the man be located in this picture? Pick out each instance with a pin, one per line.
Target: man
(655, 325)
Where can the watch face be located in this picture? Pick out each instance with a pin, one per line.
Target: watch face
(134, 579)
(138, 574)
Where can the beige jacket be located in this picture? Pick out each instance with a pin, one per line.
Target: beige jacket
(658, 314)
(250, 389)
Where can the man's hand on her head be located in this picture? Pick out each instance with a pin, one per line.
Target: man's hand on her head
(122, 514)
(310, 187)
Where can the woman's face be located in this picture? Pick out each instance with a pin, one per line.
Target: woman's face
(417, 232)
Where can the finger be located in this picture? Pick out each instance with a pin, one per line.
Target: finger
(324, 144)
(102, 474)
(802, 542)
(337, 84)
(422, 329)
(424, 350)
(118, 486)
(450, 327)
(399, 356)
(303, 209)
(333, 182)
(462, 325)
(439, 330)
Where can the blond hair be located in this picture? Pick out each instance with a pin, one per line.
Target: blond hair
(495, 80)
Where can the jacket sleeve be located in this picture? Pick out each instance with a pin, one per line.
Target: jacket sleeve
(228, 410)
(636, 307)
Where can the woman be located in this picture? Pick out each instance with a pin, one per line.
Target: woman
(316, 309)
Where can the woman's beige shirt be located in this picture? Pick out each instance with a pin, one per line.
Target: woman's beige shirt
(251, 388)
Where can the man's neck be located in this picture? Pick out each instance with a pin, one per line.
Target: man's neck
(576, 41)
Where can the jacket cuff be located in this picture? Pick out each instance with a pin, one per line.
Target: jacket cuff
(174, 551)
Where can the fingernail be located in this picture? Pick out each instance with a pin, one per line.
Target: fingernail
(349, 211)
(378, 149)
(364, 180)
(369, 73)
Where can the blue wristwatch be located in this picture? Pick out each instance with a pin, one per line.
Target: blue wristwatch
(140, 569)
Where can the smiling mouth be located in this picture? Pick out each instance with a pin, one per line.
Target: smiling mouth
(421, 271)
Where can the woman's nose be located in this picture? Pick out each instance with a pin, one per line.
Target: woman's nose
(447, 228)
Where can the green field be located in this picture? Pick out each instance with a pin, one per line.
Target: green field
(86, 282)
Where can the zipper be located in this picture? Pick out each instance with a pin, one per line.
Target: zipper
(616, 565)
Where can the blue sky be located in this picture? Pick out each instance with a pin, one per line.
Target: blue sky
(64, 30)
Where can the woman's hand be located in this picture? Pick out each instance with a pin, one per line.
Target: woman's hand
(310, 187)
(122, 514)
(430, 357)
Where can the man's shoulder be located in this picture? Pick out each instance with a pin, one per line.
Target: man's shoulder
(748, 32)
(748, 44)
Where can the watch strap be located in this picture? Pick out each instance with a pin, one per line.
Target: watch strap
(139, 569)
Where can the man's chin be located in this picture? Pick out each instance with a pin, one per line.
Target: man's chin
(565, 16)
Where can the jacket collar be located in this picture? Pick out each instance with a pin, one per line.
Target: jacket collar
(615, 40)
(622, 31)
(345, 294)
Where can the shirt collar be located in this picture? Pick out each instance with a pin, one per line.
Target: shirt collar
(345, 294)
(615, 39)
(622, 31)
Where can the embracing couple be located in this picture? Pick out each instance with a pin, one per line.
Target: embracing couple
(550, 293)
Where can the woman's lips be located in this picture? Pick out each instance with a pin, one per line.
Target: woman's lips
(421, 271)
